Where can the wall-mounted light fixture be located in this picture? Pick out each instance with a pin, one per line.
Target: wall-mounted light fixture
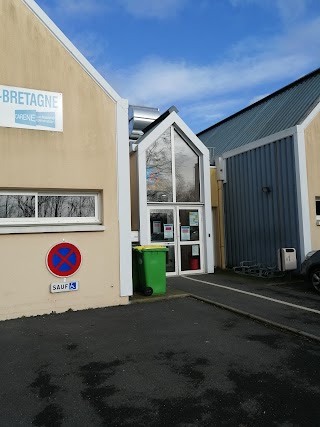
(266, 189)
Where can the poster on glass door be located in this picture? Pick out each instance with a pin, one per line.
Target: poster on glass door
(185, 232)
(168, 231)
(195, 250)
(156, 227)
(193, 219)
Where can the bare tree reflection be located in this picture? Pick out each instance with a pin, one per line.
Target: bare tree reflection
(19, 206)
(187, 171)
(15, 206)
(66, 206)
(159, 169)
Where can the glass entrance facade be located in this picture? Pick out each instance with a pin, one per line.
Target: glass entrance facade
(173, 185)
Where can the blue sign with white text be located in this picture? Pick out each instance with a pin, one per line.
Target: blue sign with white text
(35, 118)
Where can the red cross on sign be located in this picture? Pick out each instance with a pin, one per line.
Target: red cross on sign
(63, 260)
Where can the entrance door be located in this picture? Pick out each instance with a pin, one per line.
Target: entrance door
(162, 231)
(190, 240)
(180, 229)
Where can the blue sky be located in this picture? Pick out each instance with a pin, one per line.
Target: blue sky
(209, 58)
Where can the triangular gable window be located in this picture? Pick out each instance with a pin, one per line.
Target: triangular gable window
(172, 170)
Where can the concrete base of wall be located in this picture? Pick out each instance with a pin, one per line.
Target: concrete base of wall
(43, 312)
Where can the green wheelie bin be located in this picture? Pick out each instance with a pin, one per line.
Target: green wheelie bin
(151, 269)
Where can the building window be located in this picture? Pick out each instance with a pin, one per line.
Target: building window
(159, 169)
(25, 208)
(187, 171)
(318, 208)
(172, 170)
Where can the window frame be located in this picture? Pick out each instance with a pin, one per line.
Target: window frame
(36, 220)
(317, 202)
(173, 170)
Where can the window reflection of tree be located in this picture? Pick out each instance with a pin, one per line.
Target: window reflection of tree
(187, 190)
(19, 206)
(159, 169)
(187, 171)
(14, 206)
(66, 206)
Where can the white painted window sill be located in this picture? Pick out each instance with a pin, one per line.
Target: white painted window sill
(50, 228)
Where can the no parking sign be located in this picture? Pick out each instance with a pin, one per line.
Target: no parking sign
(63, 259)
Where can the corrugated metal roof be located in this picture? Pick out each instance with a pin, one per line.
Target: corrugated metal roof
(281, 110)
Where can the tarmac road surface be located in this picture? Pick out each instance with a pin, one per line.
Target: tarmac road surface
(293, 305)
(178, 362)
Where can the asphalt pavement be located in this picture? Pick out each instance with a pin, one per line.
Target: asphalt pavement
(290, 303)
(178, 362)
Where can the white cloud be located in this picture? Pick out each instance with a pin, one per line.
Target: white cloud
(212, 111)
(288, 10)
(158, 81)
(304, 38)
(153, 8)
(291, 10)
(155, 78)
(197, 89)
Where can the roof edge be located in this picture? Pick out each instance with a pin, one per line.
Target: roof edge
(172, 119)
(312, 113)
(260, 142)
(261, 101)
(307, 113)
(160, 118)
(73, 51)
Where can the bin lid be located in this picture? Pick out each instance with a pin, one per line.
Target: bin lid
(157, 248)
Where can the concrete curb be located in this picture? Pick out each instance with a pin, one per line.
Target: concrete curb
(258, 318)
(158, 298)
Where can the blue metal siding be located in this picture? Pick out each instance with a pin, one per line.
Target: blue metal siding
(257, 224)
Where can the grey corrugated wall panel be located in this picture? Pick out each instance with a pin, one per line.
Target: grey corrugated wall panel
(267, 117)
(257, 224)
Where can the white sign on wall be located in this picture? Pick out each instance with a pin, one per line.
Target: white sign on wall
(30, 109)
(64, 287)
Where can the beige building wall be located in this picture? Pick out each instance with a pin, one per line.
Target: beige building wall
(312, 142)
(82, 157)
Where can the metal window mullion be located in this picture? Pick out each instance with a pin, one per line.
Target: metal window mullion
(173, 166)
